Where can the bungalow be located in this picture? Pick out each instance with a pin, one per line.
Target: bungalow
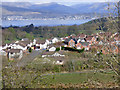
(15, 54)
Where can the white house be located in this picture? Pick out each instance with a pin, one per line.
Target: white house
(4, 46)
(80, 40)
(15, 54)
(43, 46)
(62, 39)
(55, 40)
(18, 46)
(34, 42)
(48, 42)
(3, 52)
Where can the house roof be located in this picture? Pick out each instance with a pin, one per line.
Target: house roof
(85, 43)
(14, 50)
(25, 39)
(40, 41)
(82, 35)
(3, 45)
(25, 43)
(88, 38)
(55, 45)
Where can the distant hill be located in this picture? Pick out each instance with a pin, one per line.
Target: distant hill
(94, 7)
(17, 4)
(53, 9)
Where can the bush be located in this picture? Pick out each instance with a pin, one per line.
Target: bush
(73, 49)
(57, 49)
(30, 50)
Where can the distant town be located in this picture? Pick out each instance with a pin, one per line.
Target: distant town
(72, 17)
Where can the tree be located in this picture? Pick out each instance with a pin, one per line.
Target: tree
(112, 59)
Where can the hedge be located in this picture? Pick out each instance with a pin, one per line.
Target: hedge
(72, 49)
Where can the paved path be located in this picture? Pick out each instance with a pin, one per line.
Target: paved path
(28, 58)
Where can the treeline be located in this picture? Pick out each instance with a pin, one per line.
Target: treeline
(30, 31)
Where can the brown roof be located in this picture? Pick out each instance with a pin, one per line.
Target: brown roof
(53, 45)
(82, 35)
(40, 41)
(14, 50)
(21, 44)
(3, 45)
(89, 38)
(25, 43)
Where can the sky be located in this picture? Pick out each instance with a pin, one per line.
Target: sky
(66, 2)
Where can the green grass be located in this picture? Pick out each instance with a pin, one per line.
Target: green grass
(75, 78)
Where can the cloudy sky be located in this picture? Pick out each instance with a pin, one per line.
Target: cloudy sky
(67, 2)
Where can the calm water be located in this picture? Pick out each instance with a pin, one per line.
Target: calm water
(6, 23)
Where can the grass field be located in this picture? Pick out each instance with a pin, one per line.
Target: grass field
(77, 78)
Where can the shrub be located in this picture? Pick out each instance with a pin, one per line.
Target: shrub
(57, 49)
(30, 50)
(73, 49)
